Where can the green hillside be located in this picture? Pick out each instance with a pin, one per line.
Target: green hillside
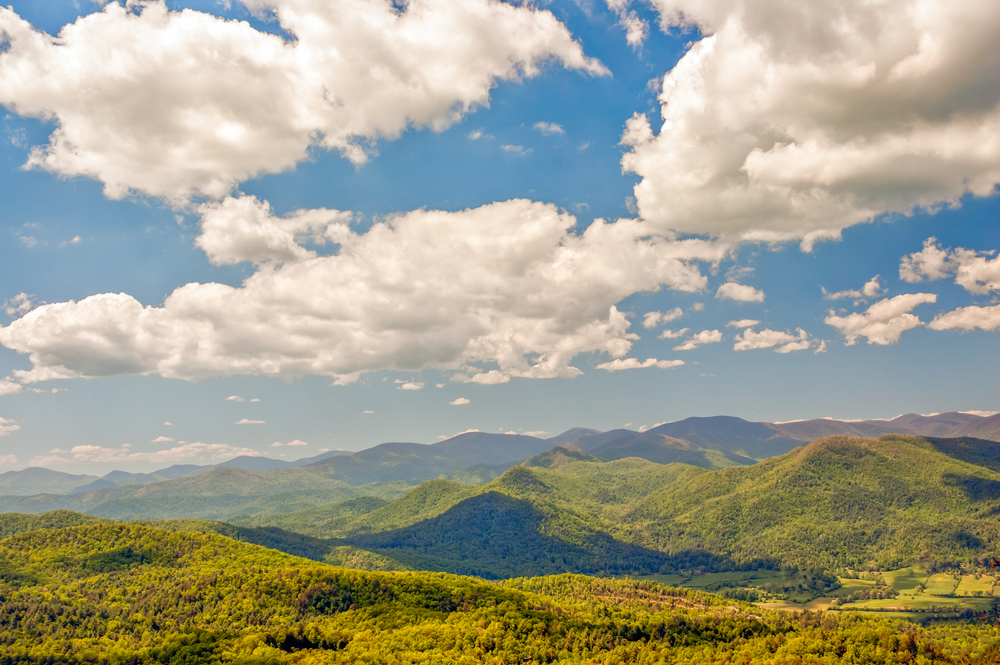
(127, 594)
(869, 503)
(837, 503)
(221, 493)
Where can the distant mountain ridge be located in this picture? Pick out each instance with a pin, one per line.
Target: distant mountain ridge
(247, 486)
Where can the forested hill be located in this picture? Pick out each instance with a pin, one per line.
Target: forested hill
(839, 501)
(115, 594)
(472, 458)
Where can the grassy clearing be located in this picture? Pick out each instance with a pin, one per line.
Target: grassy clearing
(905, 579)
(941, 584)
(849, 586)
(976, 585)
(919, 594)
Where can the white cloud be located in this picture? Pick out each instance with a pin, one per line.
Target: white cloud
(163, 439)
(507, 283)
(8, 460)
(518, 150)
(653, 319)
(411, 385)
(8, 387)
(176, 104)
(775, 124)
(549, 128)
(740, 292)
(636, 29)
(276, 444)
(247, 421)
(185, 452)
(871, 289)
(646, 428)
(28, 241)
(698, 306)
(245, 229)
(255, 399)
(536, 433)
(459, 401)
(968, 318)
(491, 378)
(367, 412)
(700, 339)
(929, 263)
(477, 134)
(235, 398)
(634, 363)
(973, 270)
(883, 322)
(296, 442)
(673, 334)
(743, 323)
(167, 423)
(18, 306)
(767, 338)
(8, 426)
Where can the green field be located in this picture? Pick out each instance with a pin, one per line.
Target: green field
(917, 593)
(976, 585)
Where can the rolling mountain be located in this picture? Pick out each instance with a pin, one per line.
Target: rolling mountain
(124, 593)
(36, 480)
(837, 502)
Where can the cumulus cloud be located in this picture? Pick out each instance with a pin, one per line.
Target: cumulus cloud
(743, 323)
(968, 318)
(549, 128)
(245, 229)
(775, 124)
(518, 150)
(185, 452)
(8, 387)
(459, 401)
(178, 104)
(247, 421)
(634, 363)
(8, 426)
(740, 292)
(767, 338)
(18, 306)
(636, 29)
(8, 460)
(700, 339)
(235, 398)
(163, 439)
(411, 385)
(507, 283)
(673, 334)
(871, 289)
(883, 322)
(929, 263)
(653, 319)
(974, 271)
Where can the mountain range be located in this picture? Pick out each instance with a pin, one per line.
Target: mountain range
(248, 486)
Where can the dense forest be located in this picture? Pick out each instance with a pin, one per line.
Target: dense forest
(836, 503)
(118, 593)
(880, 525)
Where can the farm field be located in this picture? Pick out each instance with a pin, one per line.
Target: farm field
(909, 593)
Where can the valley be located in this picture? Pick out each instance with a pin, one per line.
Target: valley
(550, 558)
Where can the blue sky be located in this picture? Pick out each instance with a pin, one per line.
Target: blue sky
(745, 163)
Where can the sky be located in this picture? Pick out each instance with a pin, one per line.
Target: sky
(283, 227)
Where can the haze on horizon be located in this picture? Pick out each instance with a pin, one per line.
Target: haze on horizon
(277, 227)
